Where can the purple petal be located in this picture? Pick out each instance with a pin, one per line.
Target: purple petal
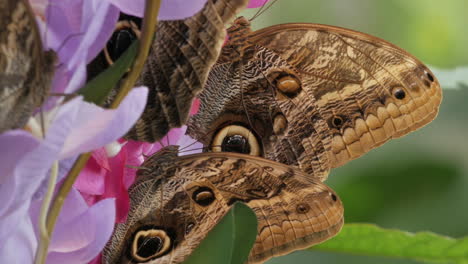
(94, 127)
(188, 145)
(130, 7)
(101, 18)
(170, 9)
(179, 9)
(78, 29)
(61, 31)
(77, 79)
(21, 245)
(81, 239)
(256, 3)
(15, 143)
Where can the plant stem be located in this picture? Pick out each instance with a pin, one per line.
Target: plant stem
(44, 235)
(148, 29)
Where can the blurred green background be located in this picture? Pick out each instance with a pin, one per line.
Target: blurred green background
(419, 182)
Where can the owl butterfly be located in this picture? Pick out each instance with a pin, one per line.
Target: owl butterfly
(176, 201)
(311, 95)
(177, 67)
(26, 70)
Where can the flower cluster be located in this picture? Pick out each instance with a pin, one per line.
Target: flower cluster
(77, 30)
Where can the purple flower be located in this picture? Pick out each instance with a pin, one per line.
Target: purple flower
(76, 127)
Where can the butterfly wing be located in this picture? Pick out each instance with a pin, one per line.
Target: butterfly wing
(367, 89)
(25, 69)
(176, 201)
(177, 68)
(327, 94)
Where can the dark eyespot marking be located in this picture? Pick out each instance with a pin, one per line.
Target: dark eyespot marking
(337, 121)
(235, 143)
(149, 243)
(302, 208)
(430, 77)
(189, 227)
(399, 93)
(235, 138)
(203, 196)
(333, 196)
(125, 34)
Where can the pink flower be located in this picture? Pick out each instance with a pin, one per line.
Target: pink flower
(256, 3)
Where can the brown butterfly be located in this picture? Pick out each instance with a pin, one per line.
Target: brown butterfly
(177, 67)
(311, 95)
(176, 201)
(26, 70)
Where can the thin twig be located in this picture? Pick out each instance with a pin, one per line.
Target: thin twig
(148, 29)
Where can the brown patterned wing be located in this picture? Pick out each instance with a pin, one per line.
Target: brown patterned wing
(177, 68)
(176, 201)
(314, 96)
(25, 69)
(368, 90)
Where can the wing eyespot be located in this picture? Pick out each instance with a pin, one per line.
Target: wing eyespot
(235, 138)
(337, 121)
(280, 124)
(125, 33)
(302, 208)
(203, 196)
(399, 93)
(430, 77)
(288, 85)
(149, 243)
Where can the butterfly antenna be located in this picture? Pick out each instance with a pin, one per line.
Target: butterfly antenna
(262, 9)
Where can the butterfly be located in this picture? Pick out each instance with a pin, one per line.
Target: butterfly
(26, 70)
(182, 53)
(310, 95)
(177, 200)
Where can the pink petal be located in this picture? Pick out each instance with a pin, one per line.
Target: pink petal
(100, 156)
(195, 106)
(115, 186)
(95, 127)
(256, 3)
(91, 178)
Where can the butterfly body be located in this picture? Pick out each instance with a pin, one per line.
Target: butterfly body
(26, 70)
(179, 199)
(314, 96)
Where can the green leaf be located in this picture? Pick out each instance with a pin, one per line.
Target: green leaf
(230, 241)
(98, 88)
(370, 240)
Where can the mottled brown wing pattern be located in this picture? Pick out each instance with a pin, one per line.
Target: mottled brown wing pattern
(26, 70)
(315, 96)
(177, 68)
(175, 201)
